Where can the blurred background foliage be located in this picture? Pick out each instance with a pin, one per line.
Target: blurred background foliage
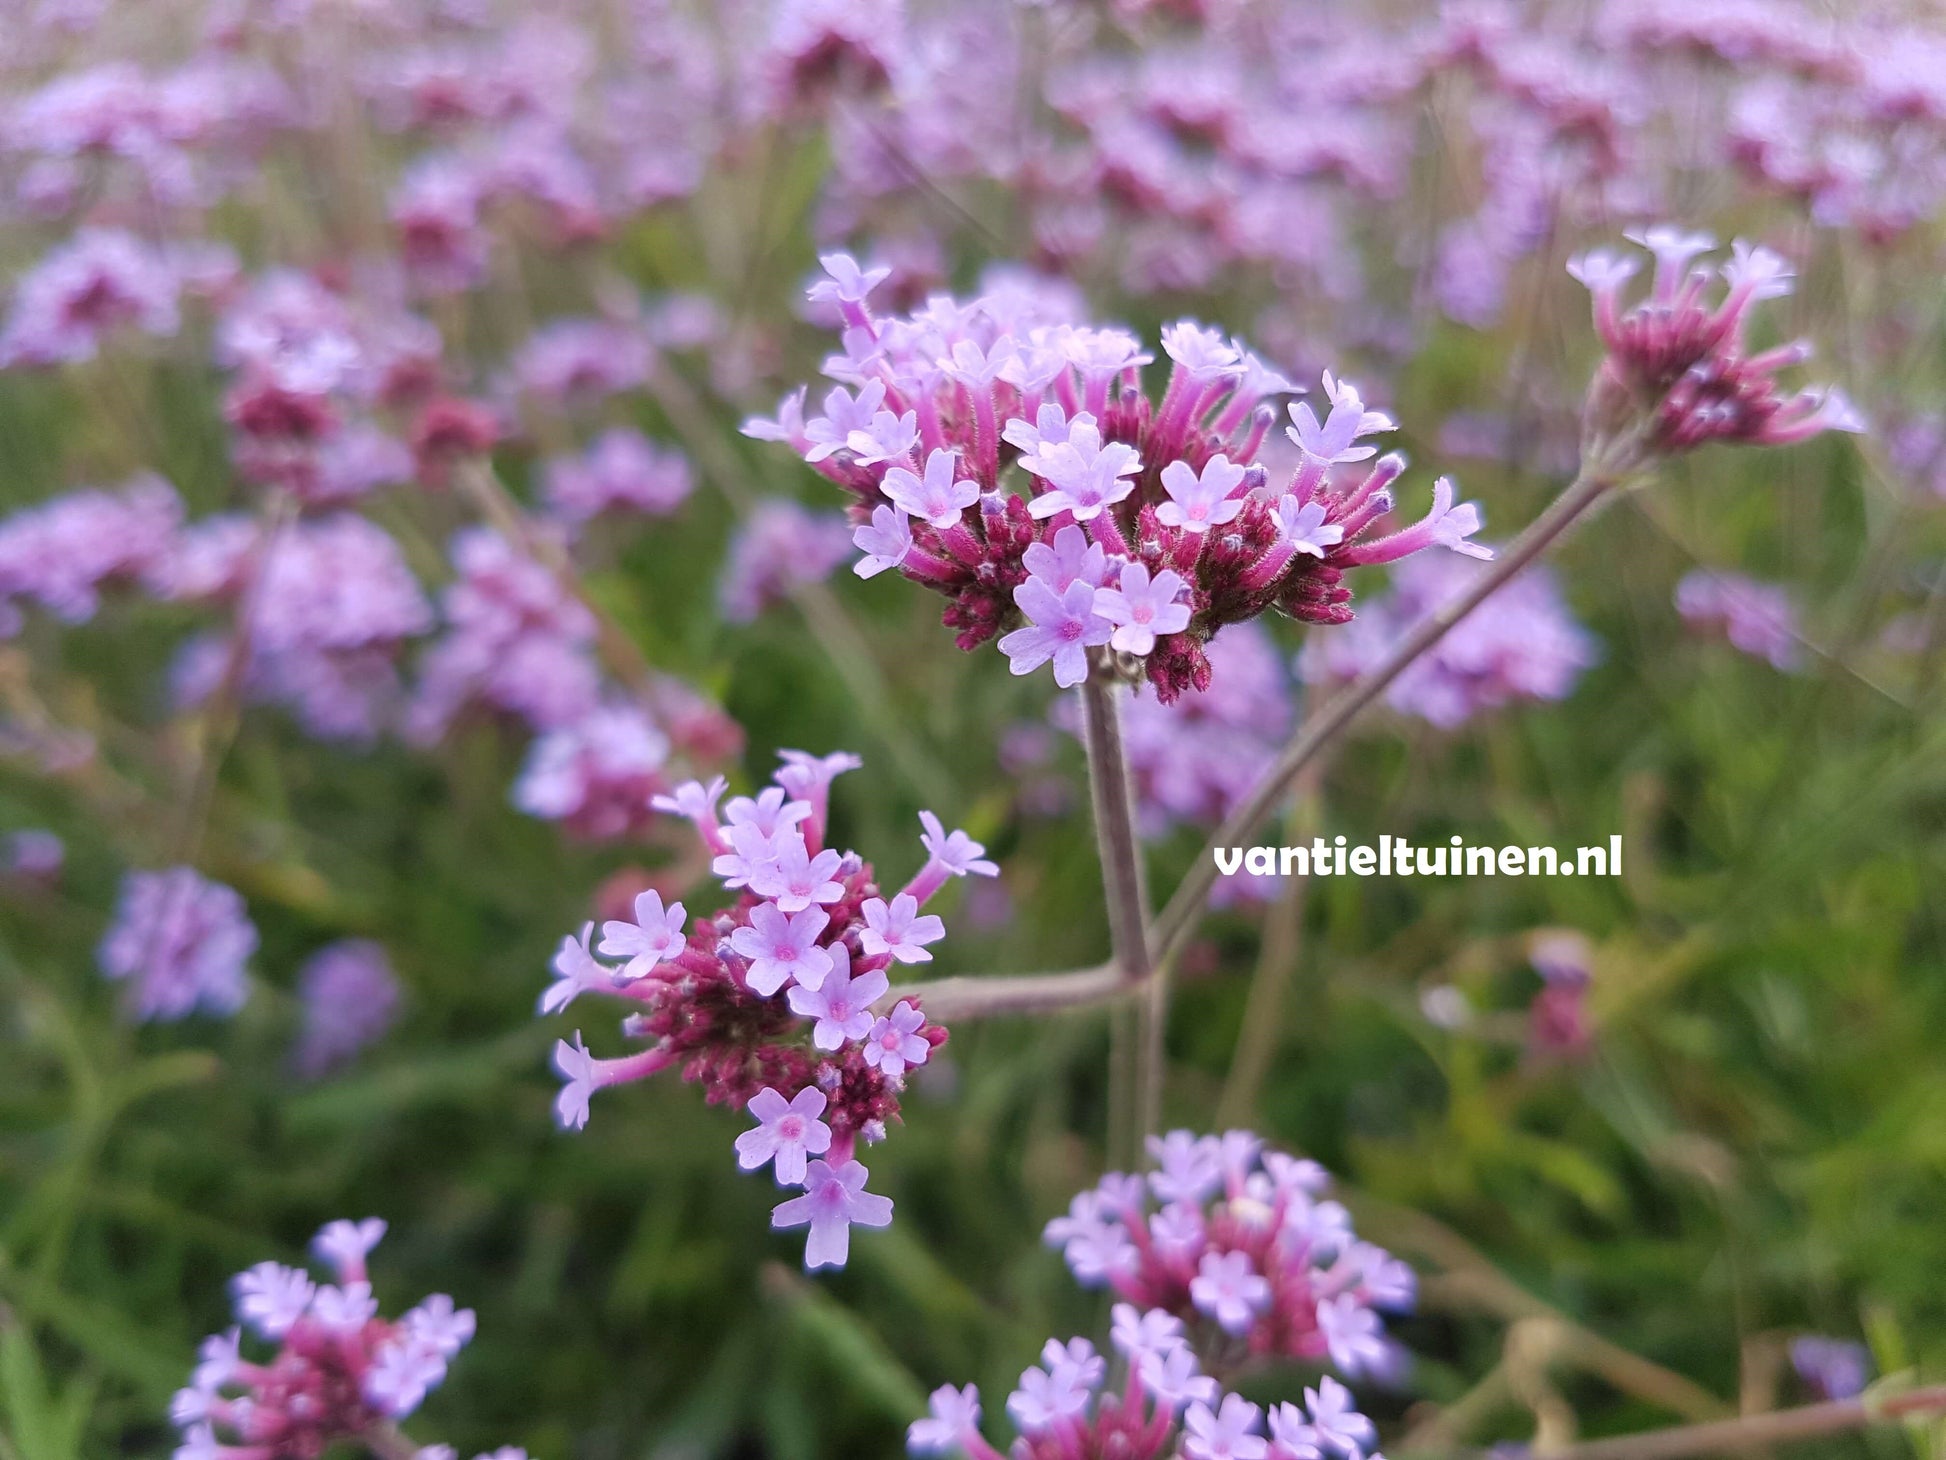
(1754, 1145)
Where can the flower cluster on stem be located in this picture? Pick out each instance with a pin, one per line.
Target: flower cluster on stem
(773, 1004)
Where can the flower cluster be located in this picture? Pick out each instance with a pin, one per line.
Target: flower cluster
(1142, 526)
(349, 996)
(1522, 643)
(1167, 1407)
(1758, 618)
(1242, 1241)
(1684, 363)
(180, 942)
(780, 1004)
(340, 1372)
(1559, 1023)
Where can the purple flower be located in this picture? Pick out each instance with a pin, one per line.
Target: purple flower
(845, 283)
(1351, 1333)
(346, 1245)
(344, 1310)
(1230, 1290)
(1337, 1421)
(899, 930)
(1072, 559)
(834, 1200)
(885, 542)
(782, 949)
(1142, 608)
(955, 1416)
(1188, 1167)
(1832, 1368)
(271, 1297)
(582, 1072)
(1336, 440)
(1173, 1378)
(575, 973)
(939, 497)
(1062, 628)
(1229, 1434)
(1136, 1333)
(181, 942)
(895, 1041)
(1198, 502)
(1043, 1400)
(796, 879)
(841, 1005)
(400, 1376)
(440, 1325)
(1084, 475)
(654, 937)
(1304, 527)
(956, 852)
(786, 1131)
(1074, 1362)
(349, 996)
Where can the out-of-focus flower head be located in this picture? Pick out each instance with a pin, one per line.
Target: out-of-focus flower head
(350, 997)
(180, 942)
(339, 1372)
(1758, 618)
(1522, 643)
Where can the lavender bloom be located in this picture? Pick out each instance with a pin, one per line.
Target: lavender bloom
(1758, 618)
(899, 930)
(597, 775)
(180, 942)
(1062, 627)
(939, 497)
(654, 937)
(841, 1005)
(1141, 608)
(787, 1130)
(350, 997)
(783, 949)
(834, 1201)
(1231, 1433)
(895, 1041)
(1228, 1290)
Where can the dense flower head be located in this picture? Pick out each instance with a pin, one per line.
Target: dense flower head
(349, 996)
(1065, 1408)
(180, 942)
(1244, 1244)
(101, 283)
(1759, 618)
(779, 1004)
(1685, 363)
(339, 1372)
(620, 471)
(1522, 643)
(1010, 460)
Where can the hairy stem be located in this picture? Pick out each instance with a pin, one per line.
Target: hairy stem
(1178, 919)
(1747, 1432)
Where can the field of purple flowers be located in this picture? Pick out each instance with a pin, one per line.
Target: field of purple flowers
(628, 629)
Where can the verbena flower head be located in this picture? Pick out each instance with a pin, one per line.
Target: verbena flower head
(1164, 1406)
(1241, 1244)
(1010, 460)
(339, 1372)
(1683, 362)
(770, 1003)
(180, 942)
